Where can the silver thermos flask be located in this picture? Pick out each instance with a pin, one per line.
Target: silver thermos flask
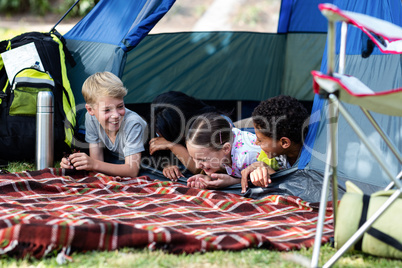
(44, 130)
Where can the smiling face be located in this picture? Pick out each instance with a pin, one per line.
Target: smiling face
(110, 113)
(269, 145)
(209, 160)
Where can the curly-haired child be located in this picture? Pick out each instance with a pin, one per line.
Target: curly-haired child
(280, 127)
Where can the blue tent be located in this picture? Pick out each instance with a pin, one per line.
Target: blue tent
(102, 39)
(243, 67)
(380, 72)
(121, 23)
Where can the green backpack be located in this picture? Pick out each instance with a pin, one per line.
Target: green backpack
(25, 88)
(18, 97)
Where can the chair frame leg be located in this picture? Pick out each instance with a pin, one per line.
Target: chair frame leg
(396, 181)
(322, 210)
(336, 107)
(376, 154)
(382, 134)
(330, 172)
(359, 233)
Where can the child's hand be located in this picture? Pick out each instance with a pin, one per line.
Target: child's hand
(172, 172)
(216, 181)
(245, 173)
(65, 163)
(220, 180)
(260, 177)
(159, 143)
(199, 181)
(81, 161)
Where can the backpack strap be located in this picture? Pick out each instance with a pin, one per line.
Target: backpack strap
(363, 219)
(67, 52)
(7, 46)
(3, 93)
(383, 237)
(68, 100)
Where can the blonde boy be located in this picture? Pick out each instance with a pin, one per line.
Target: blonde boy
(115, 134)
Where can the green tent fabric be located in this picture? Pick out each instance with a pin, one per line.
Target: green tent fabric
(206, 65)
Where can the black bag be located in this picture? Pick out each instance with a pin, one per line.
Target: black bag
(18, 98)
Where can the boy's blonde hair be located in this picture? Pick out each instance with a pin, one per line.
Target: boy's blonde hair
(102, 84)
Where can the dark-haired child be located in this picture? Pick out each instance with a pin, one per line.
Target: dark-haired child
(172, 114)
(279, 123)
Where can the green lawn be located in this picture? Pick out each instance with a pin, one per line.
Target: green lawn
(220, 259)
(8, 33)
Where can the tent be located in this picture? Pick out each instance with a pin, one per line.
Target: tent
(102, 40)
(242, 67)
(379, 72)
(214, 65)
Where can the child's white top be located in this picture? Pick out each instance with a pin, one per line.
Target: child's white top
(244, 152)
(129, 139)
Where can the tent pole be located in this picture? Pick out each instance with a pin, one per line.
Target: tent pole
(239, 110)
(68, 11)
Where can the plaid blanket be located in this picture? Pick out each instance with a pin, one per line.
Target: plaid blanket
(46, 210)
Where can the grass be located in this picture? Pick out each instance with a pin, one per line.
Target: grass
(6, 34)
(246, 258)
(20, 166)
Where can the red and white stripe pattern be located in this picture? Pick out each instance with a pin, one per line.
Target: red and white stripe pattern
(51, 209)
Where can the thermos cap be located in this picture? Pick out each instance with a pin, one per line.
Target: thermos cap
(45, 102)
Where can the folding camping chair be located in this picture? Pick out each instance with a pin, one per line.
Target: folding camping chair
(337, 88)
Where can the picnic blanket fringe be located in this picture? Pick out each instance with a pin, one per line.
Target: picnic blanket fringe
(56, 211)
(21, 250)
(7, 247)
